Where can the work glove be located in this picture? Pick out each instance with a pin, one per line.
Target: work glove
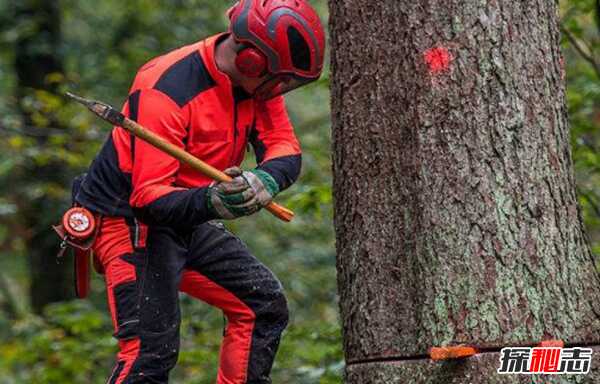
(246, 194)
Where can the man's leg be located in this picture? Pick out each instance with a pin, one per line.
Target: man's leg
(142, 287)
(222, 272)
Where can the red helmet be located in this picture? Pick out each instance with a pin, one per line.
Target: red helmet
(284, 38)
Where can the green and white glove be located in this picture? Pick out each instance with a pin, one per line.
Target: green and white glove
(263, 184)
(246, 194)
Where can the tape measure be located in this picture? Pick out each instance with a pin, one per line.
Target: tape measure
(79, 223)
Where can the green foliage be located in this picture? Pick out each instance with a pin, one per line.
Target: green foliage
(72, 344)
(581, 40)
(69, 345)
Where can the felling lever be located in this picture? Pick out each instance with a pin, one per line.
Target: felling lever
(449, 353)
(463, 351)
(108, 113)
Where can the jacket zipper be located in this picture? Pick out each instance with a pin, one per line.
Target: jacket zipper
(249, 129)
(136, 237)
(235, 133)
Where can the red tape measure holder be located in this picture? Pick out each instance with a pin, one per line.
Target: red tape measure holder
(78, 231)
(79, 223)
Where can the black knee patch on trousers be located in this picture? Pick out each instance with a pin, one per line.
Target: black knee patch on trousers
(126, 298)
(272, 317)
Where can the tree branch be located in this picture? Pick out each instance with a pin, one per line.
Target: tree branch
(587, 56)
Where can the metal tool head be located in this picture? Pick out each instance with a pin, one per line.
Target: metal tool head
(104, 111)
(79, 99)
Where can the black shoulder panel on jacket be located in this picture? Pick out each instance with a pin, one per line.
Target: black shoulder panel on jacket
(185, 79)
(134, 105)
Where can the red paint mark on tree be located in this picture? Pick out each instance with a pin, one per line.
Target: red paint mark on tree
(438, 59)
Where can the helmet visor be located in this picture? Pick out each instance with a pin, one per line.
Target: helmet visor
(280, 84)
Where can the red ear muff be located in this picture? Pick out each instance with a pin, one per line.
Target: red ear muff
(251, 62)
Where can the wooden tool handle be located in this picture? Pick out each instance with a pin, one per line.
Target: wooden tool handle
(197, 164)
(280, 212)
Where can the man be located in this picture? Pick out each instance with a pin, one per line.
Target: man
(211, 98)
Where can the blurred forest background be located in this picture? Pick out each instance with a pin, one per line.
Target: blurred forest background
(94, 48)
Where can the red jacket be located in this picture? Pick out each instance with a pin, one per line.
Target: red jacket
(184, 98)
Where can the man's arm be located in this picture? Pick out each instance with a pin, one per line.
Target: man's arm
(277, 149)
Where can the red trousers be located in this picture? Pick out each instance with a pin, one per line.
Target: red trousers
(146, 267)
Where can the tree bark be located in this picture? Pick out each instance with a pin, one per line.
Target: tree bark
(37, 56)
(455, 206)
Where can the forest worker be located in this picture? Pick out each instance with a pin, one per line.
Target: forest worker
(156, 237)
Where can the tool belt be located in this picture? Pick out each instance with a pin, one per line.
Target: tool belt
(78, 231)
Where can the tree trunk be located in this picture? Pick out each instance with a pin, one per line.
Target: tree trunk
(36, 58)
(455, 206)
